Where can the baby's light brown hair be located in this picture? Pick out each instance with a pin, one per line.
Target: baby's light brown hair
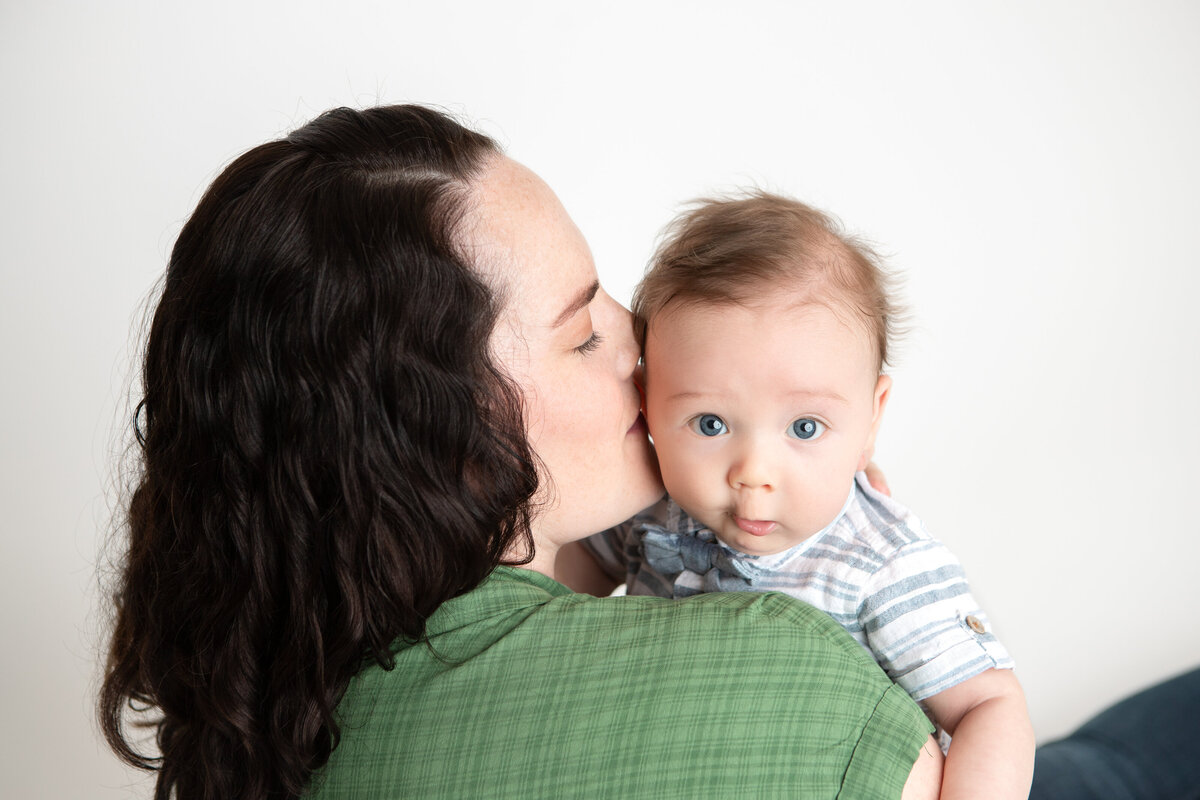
(743, 248)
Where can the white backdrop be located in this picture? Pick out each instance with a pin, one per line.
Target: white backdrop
(1030, 167)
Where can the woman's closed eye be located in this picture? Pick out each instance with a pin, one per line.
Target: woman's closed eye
(806, 429)
(708, 425)
(591, 343)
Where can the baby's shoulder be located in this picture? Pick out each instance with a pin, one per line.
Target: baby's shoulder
(881, 523)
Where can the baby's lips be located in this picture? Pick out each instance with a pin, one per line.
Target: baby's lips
(755, 527)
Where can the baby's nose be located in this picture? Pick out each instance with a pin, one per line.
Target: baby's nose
(752, 471)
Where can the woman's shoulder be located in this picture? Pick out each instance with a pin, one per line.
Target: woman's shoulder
(553, 690)
(705, 621)
(517, 616)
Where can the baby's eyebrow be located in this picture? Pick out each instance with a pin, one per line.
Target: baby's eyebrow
(828, 394)
(799, 394)
(686, 396)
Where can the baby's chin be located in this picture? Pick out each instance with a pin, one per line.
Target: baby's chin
(745, 543)
(759, 550)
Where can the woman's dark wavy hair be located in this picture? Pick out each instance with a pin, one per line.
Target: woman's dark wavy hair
(327, 452)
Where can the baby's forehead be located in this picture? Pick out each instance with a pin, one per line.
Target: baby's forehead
(767, 344)
(767, 359)
(767, 308)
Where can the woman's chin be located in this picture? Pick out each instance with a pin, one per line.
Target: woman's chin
(650, 484)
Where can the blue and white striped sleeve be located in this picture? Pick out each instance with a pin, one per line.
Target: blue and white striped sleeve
(925, 628)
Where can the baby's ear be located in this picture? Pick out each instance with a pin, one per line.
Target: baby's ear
(883, 388)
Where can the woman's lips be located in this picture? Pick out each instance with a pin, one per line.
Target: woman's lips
(755, 527)
(638, 426)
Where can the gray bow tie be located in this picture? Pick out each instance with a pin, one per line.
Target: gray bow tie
(694, 565)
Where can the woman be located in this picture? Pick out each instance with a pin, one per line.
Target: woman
(381, 374)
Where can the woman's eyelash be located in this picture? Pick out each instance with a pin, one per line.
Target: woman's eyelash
(591, 344)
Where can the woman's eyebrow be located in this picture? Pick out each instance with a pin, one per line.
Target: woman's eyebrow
(581, 300)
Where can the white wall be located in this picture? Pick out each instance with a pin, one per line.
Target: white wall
(1031, 167)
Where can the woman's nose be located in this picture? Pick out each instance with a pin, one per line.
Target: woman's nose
(628, 352)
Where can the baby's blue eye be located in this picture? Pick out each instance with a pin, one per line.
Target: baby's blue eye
(806, 428)
(709, 425)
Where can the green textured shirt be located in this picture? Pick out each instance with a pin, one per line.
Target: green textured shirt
(528, 690)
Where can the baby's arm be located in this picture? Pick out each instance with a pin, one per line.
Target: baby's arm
(991, 755)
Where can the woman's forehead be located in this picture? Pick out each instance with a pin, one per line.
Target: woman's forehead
(527, 245)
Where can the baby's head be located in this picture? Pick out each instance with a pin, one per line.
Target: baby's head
(765, 330)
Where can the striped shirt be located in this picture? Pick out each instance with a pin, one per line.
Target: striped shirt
(875, 569)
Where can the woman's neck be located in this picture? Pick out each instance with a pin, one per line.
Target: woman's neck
(545, 557)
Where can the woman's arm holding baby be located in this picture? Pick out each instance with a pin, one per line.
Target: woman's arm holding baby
(991, 755)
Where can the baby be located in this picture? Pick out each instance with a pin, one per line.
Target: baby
(765, 331)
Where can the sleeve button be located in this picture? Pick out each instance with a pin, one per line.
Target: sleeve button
(975, 624)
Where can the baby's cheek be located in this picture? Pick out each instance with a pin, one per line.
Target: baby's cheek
(826, 501)
(684, 476)
(675, 478)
